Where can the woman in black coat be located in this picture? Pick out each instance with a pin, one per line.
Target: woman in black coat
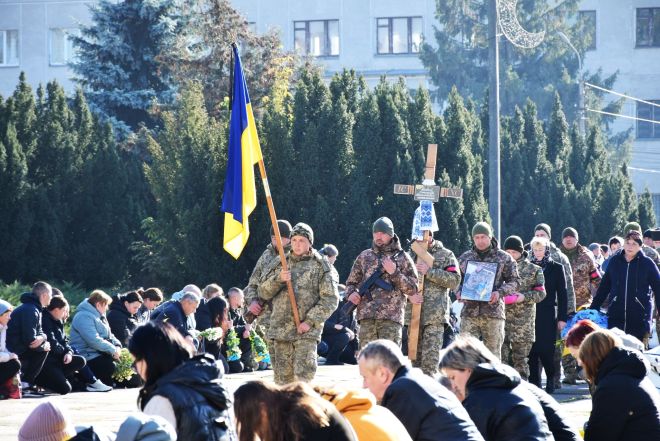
(122, 316)
(550, 314)
(499, 403)
(183, 389)
(625, 404)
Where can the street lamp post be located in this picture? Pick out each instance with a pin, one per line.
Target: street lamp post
(579, 81)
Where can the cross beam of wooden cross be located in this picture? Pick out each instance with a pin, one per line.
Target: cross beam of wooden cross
(427, 191)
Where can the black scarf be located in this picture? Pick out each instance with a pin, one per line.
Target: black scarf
(543, 262)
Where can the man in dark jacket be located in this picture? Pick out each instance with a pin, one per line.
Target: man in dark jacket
(338, 338)
(176, 313)
(628, 281)
(25, 337)
(428, 410)
(236, 303)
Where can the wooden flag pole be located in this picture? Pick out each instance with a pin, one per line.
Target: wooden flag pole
(278, 239)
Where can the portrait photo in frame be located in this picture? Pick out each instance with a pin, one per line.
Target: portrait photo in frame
(479, 280)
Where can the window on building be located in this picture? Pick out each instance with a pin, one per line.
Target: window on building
(319, 38)
(648, 27)
(589, 20)
(9, 47)
(62, 50)
(645, 129)
(399, 35)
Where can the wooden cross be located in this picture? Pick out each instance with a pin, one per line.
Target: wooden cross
(427, 191)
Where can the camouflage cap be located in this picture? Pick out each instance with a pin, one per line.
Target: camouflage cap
(304, 230)
(482, 228)
(631, 226)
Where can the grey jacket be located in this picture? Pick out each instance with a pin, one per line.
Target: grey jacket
(90, 332)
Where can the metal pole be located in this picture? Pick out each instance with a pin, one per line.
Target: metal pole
(580, 81)
(494, 204)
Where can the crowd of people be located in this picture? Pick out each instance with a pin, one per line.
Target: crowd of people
(515, 301)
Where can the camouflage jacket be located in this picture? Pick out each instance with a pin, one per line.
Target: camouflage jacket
(532, 286)
(586, 276)
(438, 281)
(651, 254)
(266, 257)
(315, 289)
(559, 257)
(386, 305)
(506, 281)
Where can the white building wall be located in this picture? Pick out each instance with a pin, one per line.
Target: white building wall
(638, 76)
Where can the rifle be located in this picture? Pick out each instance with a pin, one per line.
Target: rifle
(375, 279)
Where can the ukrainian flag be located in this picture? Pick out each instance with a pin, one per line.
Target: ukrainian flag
(240, 195)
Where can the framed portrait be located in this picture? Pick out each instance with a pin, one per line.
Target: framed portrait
(479, 280)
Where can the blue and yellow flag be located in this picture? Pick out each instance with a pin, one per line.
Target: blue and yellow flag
(240, 195)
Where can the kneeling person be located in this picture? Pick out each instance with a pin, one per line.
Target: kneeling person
(427, 409)
(315, 288)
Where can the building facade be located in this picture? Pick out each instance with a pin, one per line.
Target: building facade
(627, 41)
(375, 38)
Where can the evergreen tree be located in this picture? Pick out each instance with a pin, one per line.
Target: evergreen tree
(13, 216)
(119, 59)
(646, 213)
(421, 123)
(394, 152)
(200, 51)
(538, 73)
(463, 168)
(559, 142)
(364, 192)
(184, 241)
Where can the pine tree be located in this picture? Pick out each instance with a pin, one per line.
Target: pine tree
(13, 217)
(559, 142)
(186, 180)
(463, 169)
(646, 213)
(119, 59)
(421, 123)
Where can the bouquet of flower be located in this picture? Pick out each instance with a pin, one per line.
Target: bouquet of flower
(211, 334)
(124, 367)
(259, 347)
(232, 341)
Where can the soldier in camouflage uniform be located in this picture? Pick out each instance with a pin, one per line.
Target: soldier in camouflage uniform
(485, 320)
(520, 307)
(256, 306)
(586, 279)
(382, 317)
(543, 230)
(438, 281)
(315, 288)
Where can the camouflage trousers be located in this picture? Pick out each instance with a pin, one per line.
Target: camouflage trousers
(516, 347)
(567, 362)
(489, 330)
(293, 360)
(429, 347)
(372, 329)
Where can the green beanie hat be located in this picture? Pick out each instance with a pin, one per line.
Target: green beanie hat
(284, 227)
(514, 243)
(570, 231)
(544, 227)
(304, 230)
(383, 225)
(482, 228)
(631, 226)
